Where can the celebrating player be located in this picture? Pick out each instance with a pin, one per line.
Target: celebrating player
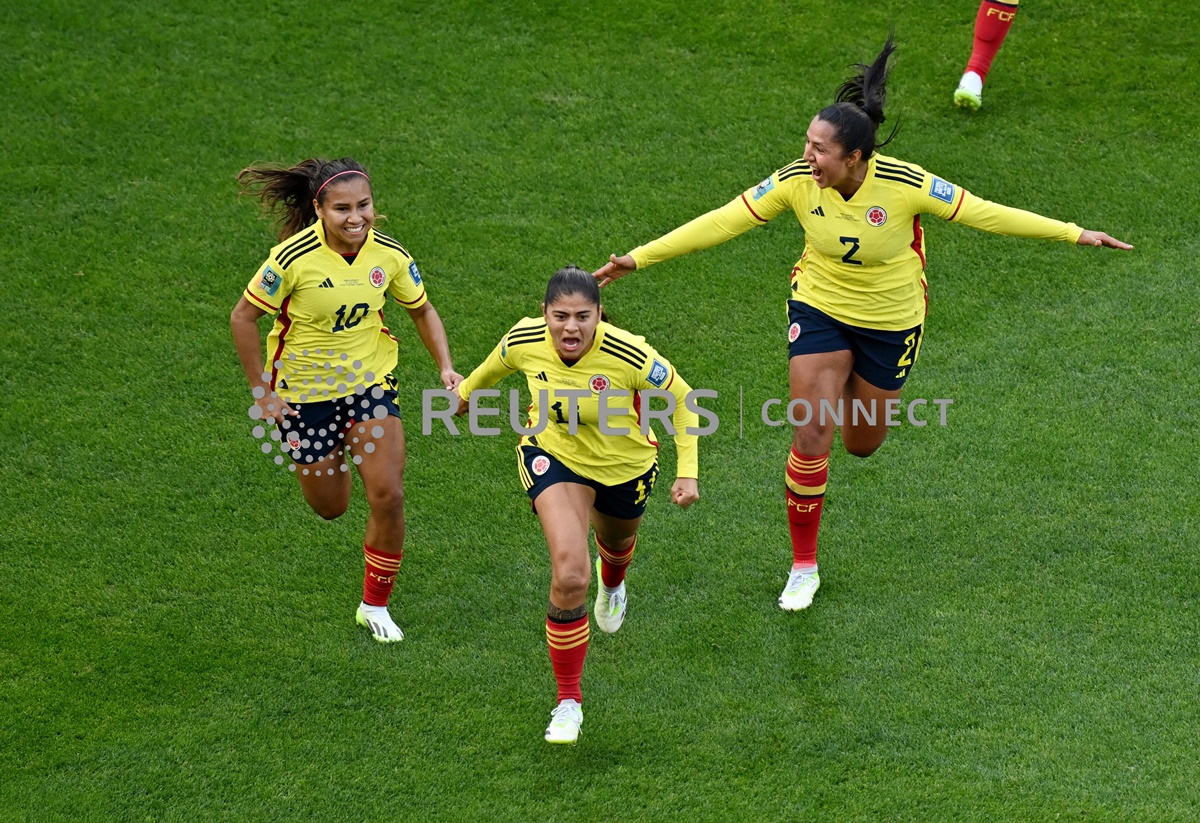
(573, 471)
(992, 23)
(330, 386)
(858, 294)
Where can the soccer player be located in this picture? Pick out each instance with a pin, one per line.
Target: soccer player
(330, 388)
(574, 472)
(858, 293)
(991, 27)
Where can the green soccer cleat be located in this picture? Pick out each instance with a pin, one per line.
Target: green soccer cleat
(969, 94)
(799, 591)
(565, 721)
(376, 620)
(609, 610)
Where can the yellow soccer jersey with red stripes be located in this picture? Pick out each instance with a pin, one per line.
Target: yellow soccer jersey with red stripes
(329, 333)
(864, 257)
(618, 362)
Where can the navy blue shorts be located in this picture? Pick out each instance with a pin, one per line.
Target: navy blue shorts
(626, 501)
(320, 429)
(882, 358)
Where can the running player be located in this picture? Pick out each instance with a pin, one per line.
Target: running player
(858, 295)
(992, 23)
(574, 472)
(330, 387)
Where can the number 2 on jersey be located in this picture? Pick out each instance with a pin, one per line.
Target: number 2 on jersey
(848, 257)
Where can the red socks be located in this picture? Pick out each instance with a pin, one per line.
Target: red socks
(613, 563)
(991, 27)
(805, 494)
(568, 644)
(380, 575)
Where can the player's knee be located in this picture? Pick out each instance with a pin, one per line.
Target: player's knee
(387, 501)
(570, 584)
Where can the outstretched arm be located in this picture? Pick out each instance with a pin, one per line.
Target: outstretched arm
(707, 230)
(984, 214)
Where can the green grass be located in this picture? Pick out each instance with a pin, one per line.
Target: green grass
(1007, 623)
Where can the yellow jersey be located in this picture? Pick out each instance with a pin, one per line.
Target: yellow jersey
(619, 364)
(329, 333)
(864, 256)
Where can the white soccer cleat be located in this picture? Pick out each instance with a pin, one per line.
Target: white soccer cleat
(969, 94)
(565, 721)
(609, 610)
(799, 591)
(377, 620)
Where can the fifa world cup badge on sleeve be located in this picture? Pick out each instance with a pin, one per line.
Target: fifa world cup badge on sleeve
(414, 273)
(658, 373)
(763, 187)
(270, 281)
(942, 190)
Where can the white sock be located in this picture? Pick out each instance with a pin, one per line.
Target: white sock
(374, 611)
(971, 82)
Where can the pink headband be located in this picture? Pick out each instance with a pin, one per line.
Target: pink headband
(317, 196)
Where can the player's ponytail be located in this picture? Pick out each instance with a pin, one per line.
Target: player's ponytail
(573, 280)
(289, 192)
(858, 112)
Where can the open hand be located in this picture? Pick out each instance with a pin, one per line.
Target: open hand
(1096, 238)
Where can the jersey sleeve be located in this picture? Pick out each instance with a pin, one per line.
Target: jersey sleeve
(754, 207)
(406, 287)
(499, 364)
(988, 216)
(659, 374)
(955, 203)
(269, 287)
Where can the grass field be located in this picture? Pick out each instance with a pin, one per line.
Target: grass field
(1007, 626)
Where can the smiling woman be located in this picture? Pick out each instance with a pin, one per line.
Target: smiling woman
(858, 298)
(329, 386)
